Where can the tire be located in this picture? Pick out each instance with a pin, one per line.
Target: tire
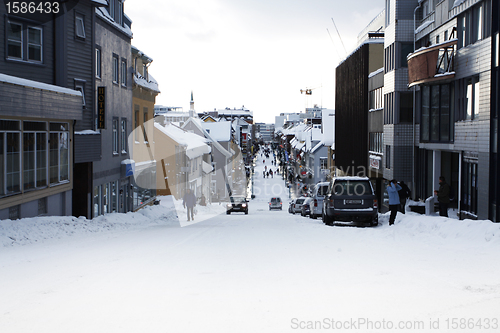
(228, 212)
(327, 220)
(246, 212)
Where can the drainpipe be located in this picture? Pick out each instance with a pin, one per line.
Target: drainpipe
(414, 104)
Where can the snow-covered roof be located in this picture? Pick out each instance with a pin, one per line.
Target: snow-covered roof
(195, 144)
(100, 2)
(352, 178)
(199, 124)
(457, 3)
(37, 85)
(318, 146)
(219, 131)
(423, 26)
(378, 71)
(87, 132)
(151, 84)
(103, 13)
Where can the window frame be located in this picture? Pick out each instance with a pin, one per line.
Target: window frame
(98, 62)
(123, 135)
(80, 18)
(116, 69)
(25, 42)
(80, 86)
(115, 136)
(123, 68)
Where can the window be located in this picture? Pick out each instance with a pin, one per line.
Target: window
(436, 122)
(405, 107)
(387, 12)
(15, 40)
(116, 69)
(406, 48)
(437, 39)
(445, 35)
(116, 10)
(376, 144)
(387, 157)
(58, 152)
(34, 154)
(145, 71)
(144, 125)
(472, 25)
(80, 26)
(375, 99)
(98, 62)
(427, 8)
(124, 72)
(34, 44)
(469, 184)
(323, 163)
(389, 102)
(123, 130)
(136, 122)
(115, 136)
(389, 58)
(80, 86)
(24, 42)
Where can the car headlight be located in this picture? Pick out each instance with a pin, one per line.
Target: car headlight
(229, 205)
(244, 205)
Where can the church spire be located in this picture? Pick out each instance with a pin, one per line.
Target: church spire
(191, 106)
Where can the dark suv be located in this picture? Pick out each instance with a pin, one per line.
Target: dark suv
(237, 204)
(350, 201)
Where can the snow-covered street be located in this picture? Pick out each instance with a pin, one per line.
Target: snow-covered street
(268, 271)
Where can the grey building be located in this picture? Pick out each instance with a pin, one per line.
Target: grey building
(46, 91)
(454, 99)
(112, 174)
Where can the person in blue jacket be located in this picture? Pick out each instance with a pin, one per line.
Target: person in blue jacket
(392, 190)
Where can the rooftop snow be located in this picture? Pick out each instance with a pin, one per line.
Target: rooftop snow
(103, 13)
(151, 84)
(37, 85)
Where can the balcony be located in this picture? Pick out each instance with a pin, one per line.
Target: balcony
(431, 64)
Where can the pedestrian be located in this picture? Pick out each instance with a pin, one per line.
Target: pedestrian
(271, 173)
(189, 201)
(404, 194)
(203, 200)
(443, 195)
(267, 174)
(263, 174)
(394, 203)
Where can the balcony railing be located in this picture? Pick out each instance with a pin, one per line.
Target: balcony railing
(433, 63)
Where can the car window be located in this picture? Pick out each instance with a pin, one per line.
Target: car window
(323, 190)
(299, 201)
(352, 187)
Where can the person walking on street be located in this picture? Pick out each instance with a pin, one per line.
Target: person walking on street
(443, 195)
(404, 194)
(189, 201)
(394, 203)
(271, 173)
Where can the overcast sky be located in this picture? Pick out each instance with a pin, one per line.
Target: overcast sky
(252, 53)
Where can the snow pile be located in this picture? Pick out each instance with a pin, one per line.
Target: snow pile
(428, 227)
(39, 229)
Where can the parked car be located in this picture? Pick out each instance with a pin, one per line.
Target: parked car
(350, 201)
(316, 205)
(275, 203)
(306, 208)
(297, 206)
(290, 206)
(237, 204)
